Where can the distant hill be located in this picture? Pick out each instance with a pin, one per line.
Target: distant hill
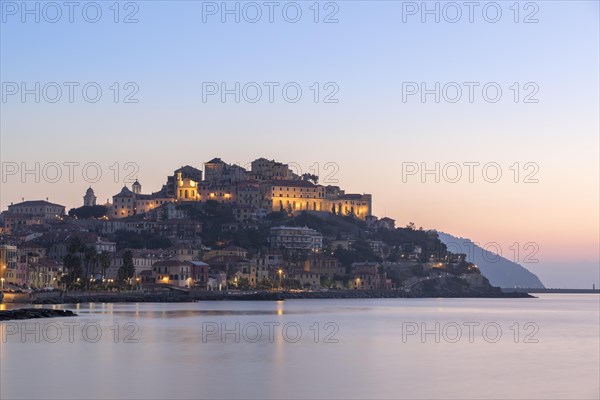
(499, 271)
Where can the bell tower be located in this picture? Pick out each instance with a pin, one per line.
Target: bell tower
(136, 187)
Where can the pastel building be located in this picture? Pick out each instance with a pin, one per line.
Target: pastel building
(295, 238)
(128, 203)
(8, 263)
(269, 170)
(298, 195)
(41, 208)
(173, 272)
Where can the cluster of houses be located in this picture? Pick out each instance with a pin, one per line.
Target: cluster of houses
(35, 235)
(35, 266)
(265, 187)
(34, 258)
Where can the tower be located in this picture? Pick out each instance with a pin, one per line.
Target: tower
(136, 187)
(89, 199)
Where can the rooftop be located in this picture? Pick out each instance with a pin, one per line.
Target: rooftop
(293, 183)
(33, 203)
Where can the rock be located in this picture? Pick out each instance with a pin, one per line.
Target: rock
(31, 313)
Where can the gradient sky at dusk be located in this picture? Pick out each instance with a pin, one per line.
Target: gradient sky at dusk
(368, 134)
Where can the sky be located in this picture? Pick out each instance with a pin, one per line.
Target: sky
(501, 100)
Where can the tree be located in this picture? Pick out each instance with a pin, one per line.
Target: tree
(72, 261)
(75, 245)
(418, 270)
(90, 256)
(311, 178)
(87, 212)
(266, 284)
(143, 240)
(72, 264)
(395, 254)
(128, 268)
(121, 276)
(365, 251)
(326, 282)
(243, 284)
(104, 260)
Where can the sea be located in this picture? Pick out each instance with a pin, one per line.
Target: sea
(528, 348)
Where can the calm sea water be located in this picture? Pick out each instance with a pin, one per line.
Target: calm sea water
(390, 348)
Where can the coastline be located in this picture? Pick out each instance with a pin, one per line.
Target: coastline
(193, 297)
(171, 297)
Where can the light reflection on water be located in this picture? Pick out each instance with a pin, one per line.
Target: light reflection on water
(175, 358)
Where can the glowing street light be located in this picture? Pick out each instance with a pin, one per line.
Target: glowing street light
(280, 272)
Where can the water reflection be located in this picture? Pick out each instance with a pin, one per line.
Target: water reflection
(211, 349)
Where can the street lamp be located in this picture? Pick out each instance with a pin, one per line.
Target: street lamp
(280, 272)
(2, 287)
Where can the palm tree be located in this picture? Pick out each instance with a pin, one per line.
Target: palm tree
(104, 260)
(72, 261)
(89, 256)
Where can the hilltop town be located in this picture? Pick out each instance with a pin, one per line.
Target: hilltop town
(224, 228)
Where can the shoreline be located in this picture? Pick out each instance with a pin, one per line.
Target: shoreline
(194, 297)
(178, 297)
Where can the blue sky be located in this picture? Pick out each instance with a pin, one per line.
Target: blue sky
(368, 133)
